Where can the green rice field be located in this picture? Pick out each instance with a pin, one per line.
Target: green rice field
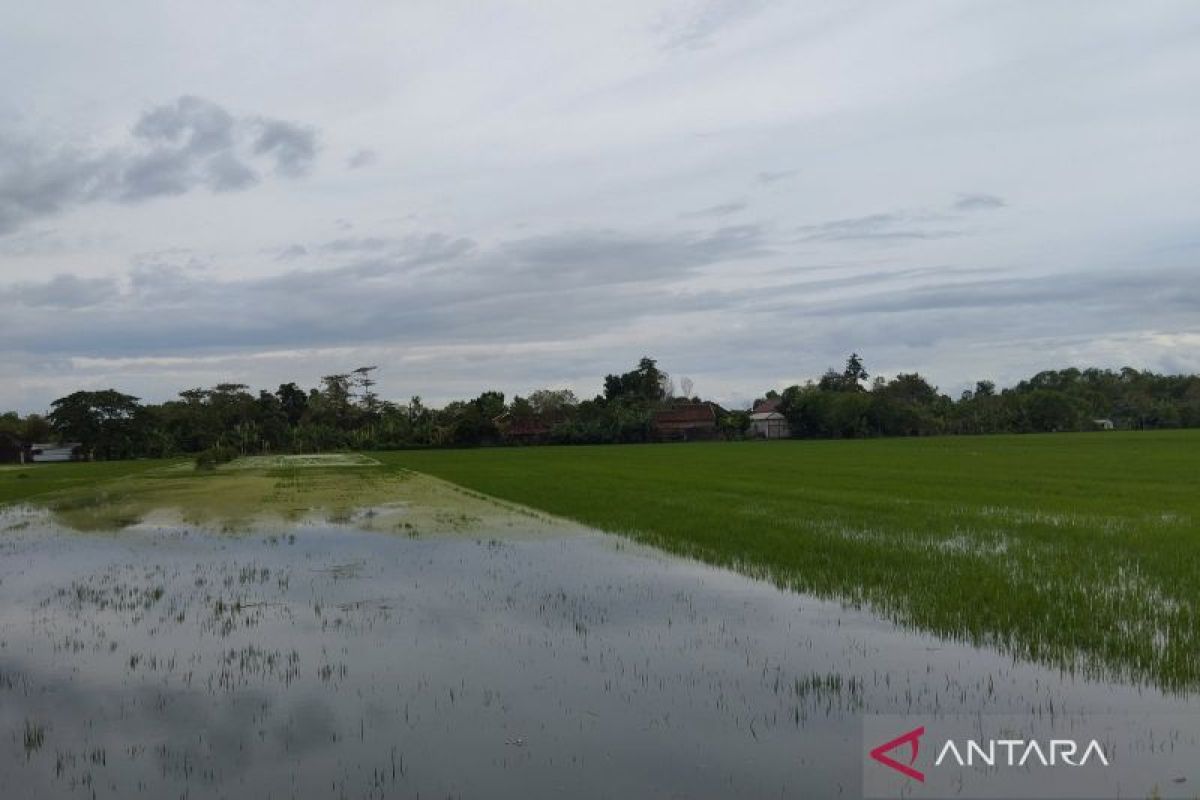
(1081, 551)
(451, 623)
(1078, 551)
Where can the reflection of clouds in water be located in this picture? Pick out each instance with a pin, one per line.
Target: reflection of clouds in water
(618, 669)
(305, 725)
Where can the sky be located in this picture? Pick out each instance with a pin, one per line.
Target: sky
(491, 195)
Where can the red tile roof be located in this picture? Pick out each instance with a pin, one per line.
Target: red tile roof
(692, 413)
(768, 405)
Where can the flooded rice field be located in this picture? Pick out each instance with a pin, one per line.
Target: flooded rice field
(440, 646)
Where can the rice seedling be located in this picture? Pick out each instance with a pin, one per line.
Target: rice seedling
(1079, 551)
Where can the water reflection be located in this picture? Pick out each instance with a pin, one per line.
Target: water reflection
(319, 660)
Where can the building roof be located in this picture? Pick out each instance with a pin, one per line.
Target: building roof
(689, 413)
(768, 405)
(761, 415)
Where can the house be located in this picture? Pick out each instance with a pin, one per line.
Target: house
(12, 449)
(769, 425)
(767, 421)
(1103, 424)
(526, 430)
(60, 451)
(686, 422)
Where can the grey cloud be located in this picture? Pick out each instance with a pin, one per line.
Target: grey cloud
(156, 174)
(443, 291)
(291, 251)
(427, 289)
(777, 175)
(381, 254)
(362, 158)
(978, 202)
(720, 210)
(699, 29)
(293, 146)
(191, 143)
(1100, 292)
(227, 174)
(37, 181)
(173, 149)
(408, 258)
(356, 244)
(63, 291)
(195, 124)
(874, 227)
(611, 257)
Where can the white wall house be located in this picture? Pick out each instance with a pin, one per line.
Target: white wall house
(769, 425)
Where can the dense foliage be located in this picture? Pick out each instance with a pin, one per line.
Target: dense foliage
(841, 405)
(345, 412)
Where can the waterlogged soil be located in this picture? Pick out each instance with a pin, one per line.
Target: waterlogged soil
(391, 636)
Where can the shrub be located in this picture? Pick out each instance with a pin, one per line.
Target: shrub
(217, 454)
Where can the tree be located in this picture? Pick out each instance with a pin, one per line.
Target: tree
(103, 422)
(1050, 410)
(734, 424)
(905, 406)
(294, 402)
(645, 384)
(36, 428)
(366, 386)
(848, 380)
(854, 373)
(334, 408)
(551, 401)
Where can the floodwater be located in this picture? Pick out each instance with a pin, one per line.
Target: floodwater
(513, 659)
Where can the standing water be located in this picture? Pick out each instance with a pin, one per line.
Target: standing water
(407, 651)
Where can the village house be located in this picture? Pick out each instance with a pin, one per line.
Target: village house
(686, 422)
(767, 422)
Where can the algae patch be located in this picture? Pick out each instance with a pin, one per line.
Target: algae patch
(250, 493)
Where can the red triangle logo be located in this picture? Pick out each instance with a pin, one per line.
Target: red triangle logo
(913, 740)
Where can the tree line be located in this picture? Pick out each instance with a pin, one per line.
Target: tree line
(345, 412)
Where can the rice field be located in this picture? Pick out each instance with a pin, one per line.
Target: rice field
(1078, 551)
(453, 624)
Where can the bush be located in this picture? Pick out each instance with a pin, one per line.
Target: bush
(218, 454)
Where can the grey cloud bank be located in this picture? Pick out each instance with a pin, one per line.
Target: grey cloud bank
(745, 191)
(184, 145)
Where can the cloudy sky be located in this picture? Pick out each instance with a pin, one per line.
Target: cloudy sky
(516, 195)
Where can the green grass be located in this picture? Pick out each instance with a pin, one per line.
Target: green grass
(30, 482)
(1081, 550)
